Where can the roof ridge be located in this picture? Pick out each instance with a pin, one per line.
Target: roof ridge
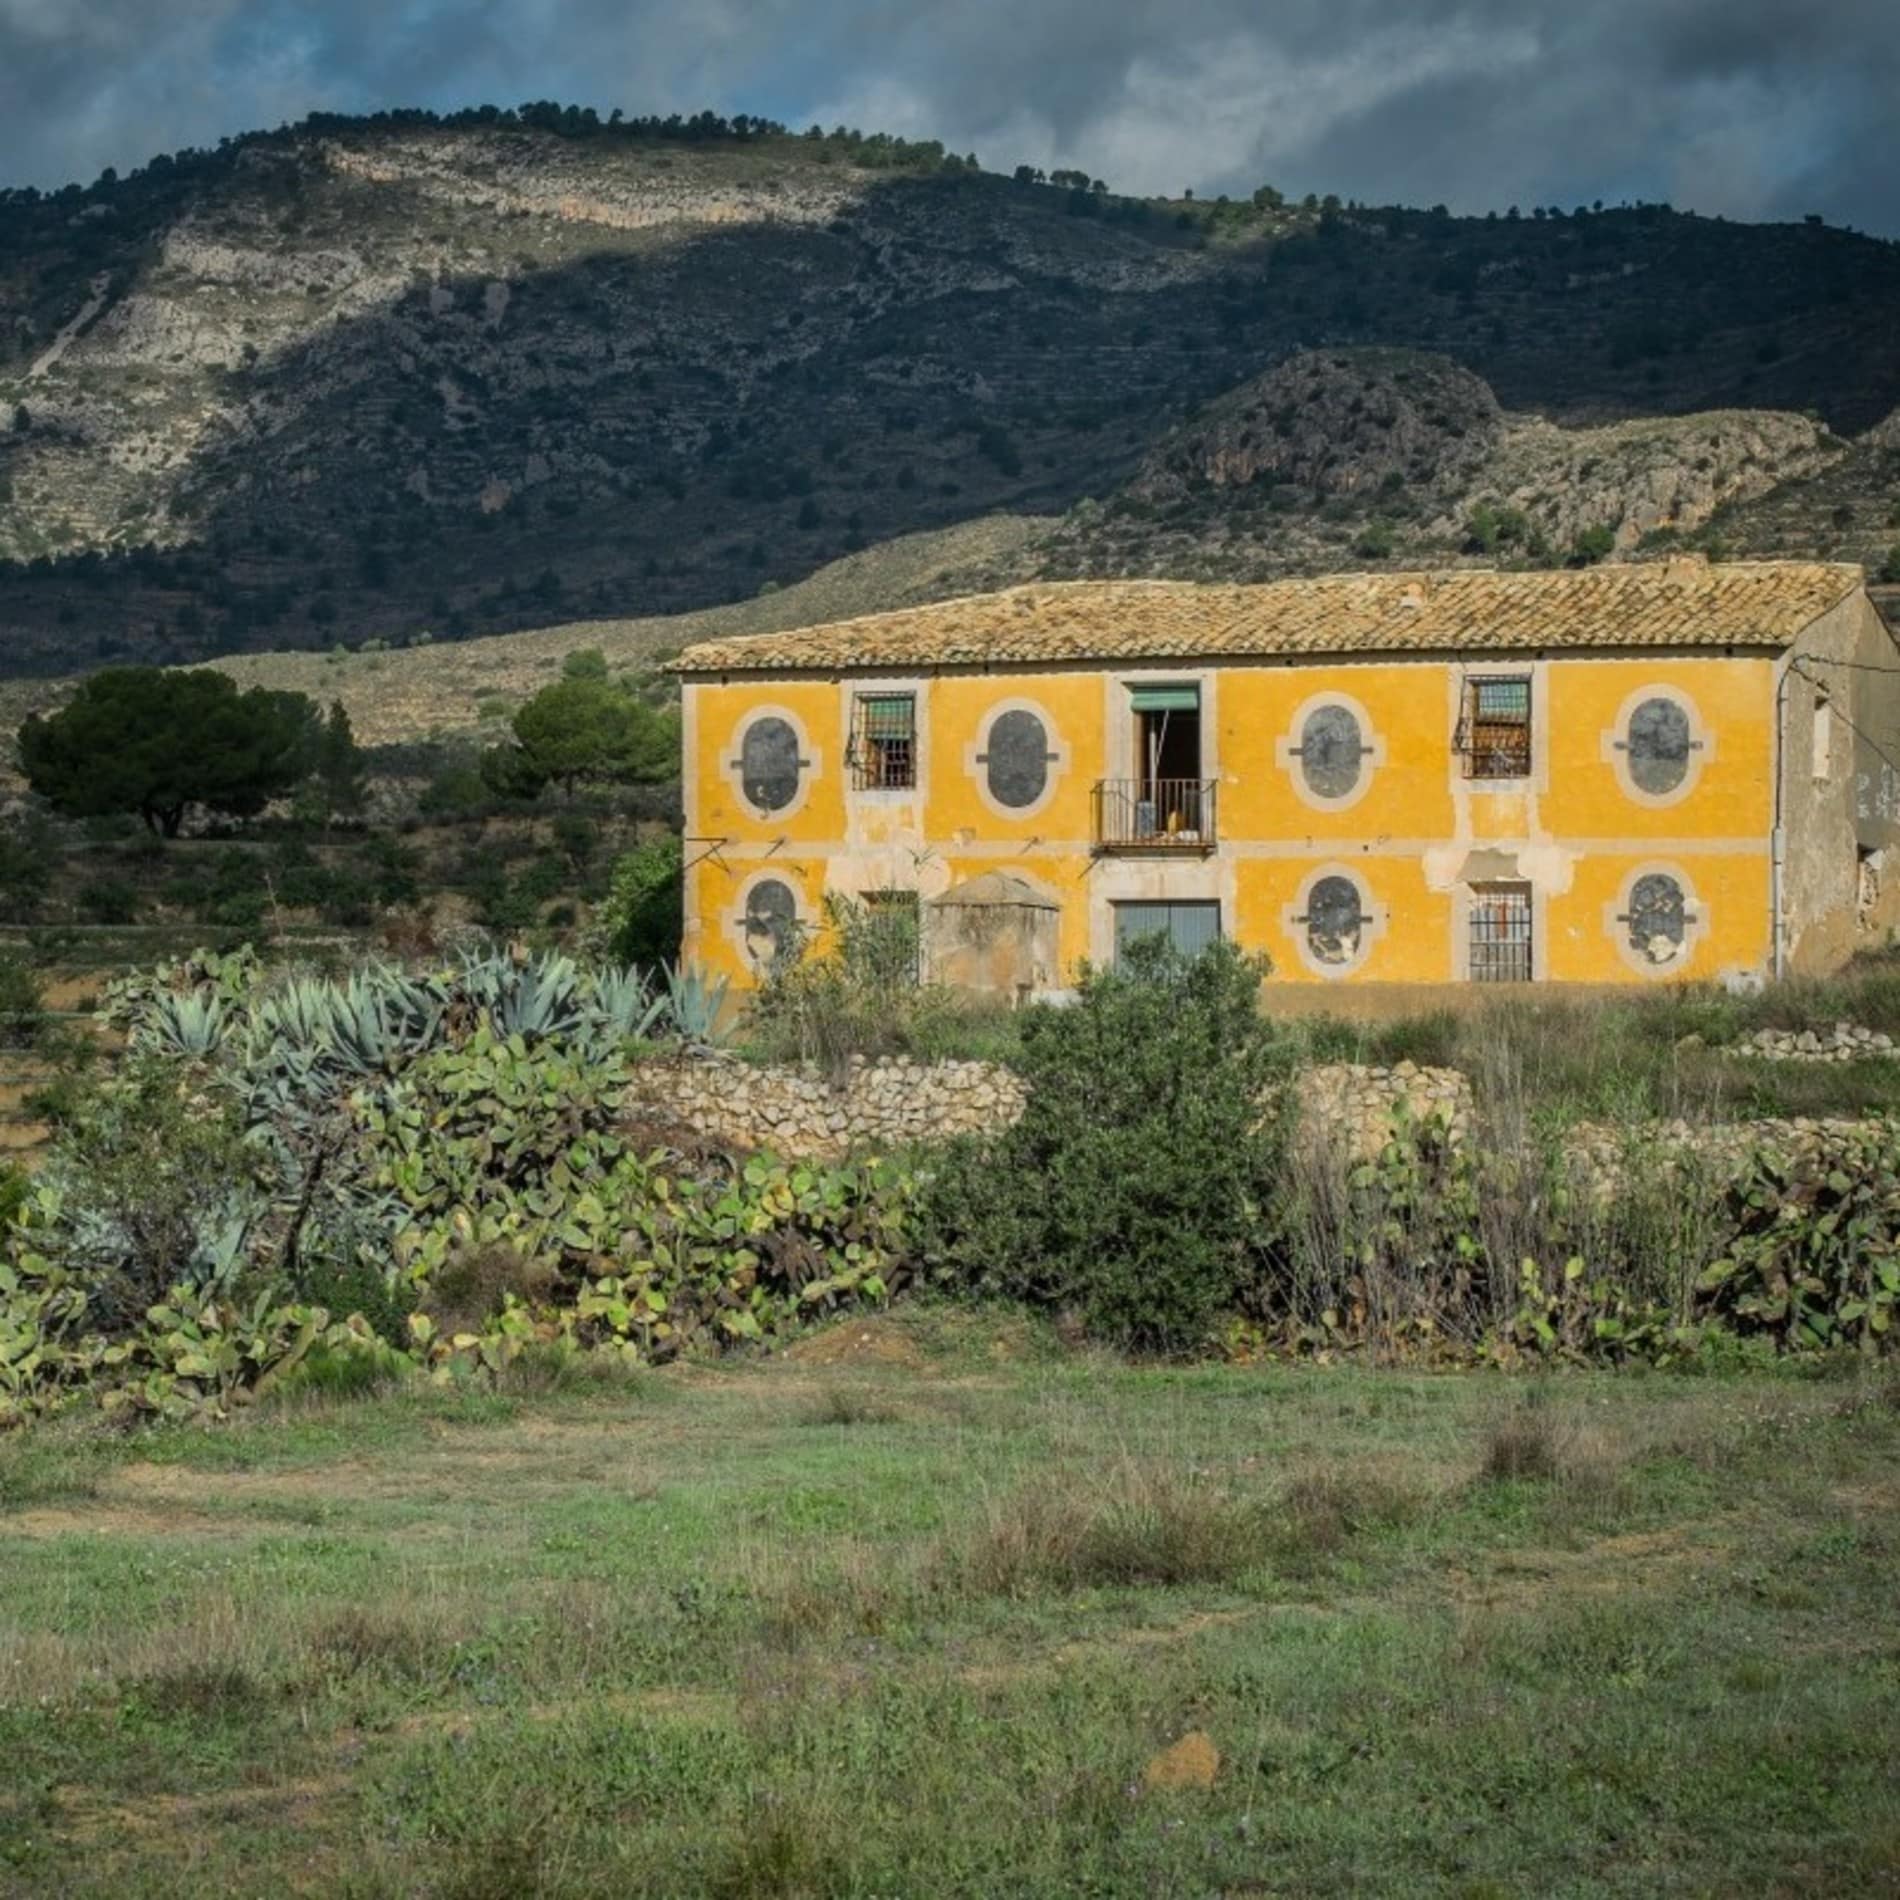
(1407, 609)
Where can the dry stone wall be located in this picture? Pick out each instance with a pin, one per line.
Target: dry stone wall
(1353, 1104)
(805, 1113)
(1845, 1042)
(896, 1102)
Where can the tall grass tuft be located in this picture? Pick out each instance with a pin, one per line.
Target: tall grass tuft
(1142, 1524)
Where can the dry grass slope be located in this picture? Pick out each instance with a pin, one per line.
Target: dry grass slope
(411, 693)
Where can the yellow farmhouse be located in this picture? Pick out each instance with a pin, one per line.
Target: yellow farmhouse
(1619, 774)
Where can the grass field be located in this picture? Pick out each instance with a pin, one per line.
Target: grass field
(922, 1609)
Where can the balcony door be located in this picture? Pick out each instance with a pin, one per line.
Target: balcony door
(1168, 758)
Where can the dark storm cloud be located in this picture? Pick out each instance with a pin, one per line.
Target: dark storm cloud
(1754, 108)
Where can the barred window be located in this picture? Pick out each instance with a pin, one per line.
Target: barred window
(884, 741)
(1497, 727)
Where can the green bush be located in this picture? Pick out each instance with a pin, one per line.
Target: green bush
(150, 1186)
(22, 1012)
(1593, 544)
(1136, 1191)
(1376, 541)
(641, 919)
(854, 990)
(30, 860)
(108, 900)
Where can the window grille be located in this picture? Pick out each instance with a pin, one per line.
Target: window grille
(1500, 940)
(1496, 739)
(884, 742)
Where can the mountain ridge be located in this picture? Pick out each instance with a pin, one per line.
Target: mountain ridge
(356, 380)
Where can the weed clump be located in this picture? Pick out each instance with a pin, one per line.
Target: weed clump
(846, 1405)
(473, 1281)
(1532, 1442)
(1146, 1526)
(1322, 1512)
(356, 1642)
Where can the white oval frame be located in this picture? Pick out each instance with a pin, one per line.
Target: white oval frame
(810, 760)
(1695, 921)
(1286, 752)
(733, 923)
(1372, 926)
(1614, 746)
(1056, 758)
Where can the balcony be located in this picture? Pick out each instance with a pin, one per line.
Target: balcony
(1157, 814)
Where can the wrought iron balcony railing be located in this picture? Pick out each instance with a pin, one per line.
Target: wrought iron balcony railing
(1157, 814)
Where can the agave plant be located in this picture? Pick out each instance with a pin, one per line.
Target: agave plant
(621, 1005)
(301, 1012)
(385, 1019)
(533, 1000)
(696, 1004)
(190, 1025)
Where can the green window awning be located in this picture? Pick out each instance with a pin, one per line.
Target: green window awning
(1165, 698)
(888, 716)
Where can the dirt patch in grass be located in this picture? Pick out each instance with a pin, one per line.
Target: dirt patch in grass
(546, 1455)
(108, 1519)
(1113, 1649)
(1628, 1563)
(874, 1342)
(161, 1828)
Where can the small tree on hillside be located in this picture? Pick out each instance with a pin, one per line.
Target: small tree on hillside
(581, 730)
(339, 765)
(143, 739)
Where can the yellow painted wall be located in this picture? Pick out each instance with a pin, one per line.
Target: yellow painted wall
(1573, 829)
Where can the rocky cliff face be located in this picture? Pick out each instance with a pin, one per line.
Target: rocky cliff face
(371, 380)
(1350, 458)
(1359, 423)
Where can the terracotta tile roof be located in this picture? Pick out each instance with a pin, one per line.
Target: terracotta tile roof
(1677, 603)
